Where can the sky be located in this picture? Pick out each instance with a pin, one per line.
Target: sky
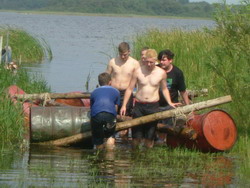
(216, 1)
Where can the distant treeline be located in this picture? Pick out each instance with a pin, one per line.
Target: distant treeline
(139, 7)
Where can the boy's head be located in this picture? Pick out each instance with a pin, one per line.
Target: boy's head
(165, 53)
(165, 58)
(143, 52)
(124, 51)
(104, 79)
(150, 59)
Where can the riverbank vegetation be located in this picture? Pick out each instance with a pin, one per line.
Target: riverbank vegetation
(218, 60)
(180, 8)
(25, 47)
(28, 48)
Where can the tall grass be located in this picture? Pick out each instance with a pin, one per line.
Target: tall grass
(25, 47)
(11, 117)
(217, 59)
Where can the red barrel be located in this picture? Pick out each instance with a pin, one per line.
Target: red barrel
(216, 132)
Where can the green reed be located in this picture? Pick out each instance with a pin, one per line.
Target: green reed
(25, 47)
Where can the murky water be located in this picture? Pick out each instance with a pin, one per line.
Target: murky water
(123, 167)
(84, 44)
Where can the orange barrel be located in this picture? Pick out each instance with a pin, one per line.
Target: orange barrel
(49, 123)
(216, 131)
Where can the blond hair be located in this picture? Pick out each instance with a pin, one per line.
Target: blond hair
(151, 53)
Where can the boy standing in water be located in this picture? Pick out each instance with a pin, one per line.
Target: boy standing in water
(149, 78)
(121, 70)
(176, 84)
(104, 102)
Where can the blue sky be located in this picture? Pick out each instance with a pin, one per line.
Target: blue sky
(216, 1)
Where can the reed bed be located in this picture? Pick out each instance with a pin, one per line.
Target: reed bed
(25, 47)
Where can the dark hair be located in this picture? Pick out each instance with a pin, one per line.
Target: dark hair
(144, 48)
(168, 53)
(123, 47)
(104, 78)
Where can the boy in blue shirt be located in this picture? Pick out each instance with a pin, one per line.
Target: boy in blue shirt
(104, 102)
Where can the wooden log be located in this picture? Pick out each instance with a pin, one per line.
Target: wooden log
(145, 119)
(43, 96)
(84, 95)
(196, 93)
(182, 131)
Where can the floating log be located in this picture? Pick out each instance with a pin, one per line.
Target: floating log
(142, 120)
(46, 96)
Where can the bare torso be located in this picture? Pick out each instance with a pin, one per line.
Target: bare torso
(148, 84)
(121, 72)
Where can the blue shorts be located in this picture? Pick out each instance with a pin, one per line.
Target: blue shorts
(102, 126)
(146, 130)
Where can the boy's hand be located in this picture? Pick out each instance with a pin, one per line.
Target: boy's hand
(174, 105)
(123, 111)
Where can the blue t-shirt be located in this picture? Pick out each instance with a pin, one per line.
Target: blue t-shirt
(104, 99)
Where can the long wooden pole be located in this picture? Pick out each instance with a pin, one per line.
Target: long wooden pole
(142, 120)
(83, 95)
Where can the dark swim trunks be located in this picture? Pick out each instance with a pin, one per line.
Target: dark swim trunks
(146, 130)
(129, 107)
(102, 126)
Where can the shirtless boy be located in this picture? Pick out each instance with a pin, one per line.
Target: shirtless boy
(149, 78)
(121, 70)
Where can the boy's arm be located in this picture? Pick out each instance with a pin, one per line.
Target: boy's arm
(109, 67)
(128, 93)
(184, 95)
(166, 93)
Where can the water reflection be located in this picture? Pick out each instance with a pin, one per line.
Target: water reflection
(122, 167)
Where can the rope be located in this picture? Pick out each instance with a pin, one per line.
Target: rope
(46, 98)
(178, 115)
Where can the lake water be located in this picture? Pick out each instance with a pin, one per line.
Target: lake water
(84, 44)
(76, 167)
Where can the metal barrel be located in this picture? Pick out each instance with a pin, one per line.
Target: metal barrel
(216, 132)
(49, 123)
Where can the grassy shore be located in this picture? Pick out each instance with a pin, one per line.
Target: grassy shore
(25, 47)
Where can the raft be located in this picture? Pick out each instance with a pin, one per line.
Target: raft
(63, 122)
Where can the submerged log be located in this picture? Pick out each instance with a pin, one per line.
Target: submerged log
(142, 120)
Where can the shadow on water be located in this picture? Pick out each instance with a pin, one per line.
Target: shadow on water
(123, 167)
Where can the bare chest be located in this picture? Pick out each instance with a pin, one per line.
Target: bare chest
(150, 80)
